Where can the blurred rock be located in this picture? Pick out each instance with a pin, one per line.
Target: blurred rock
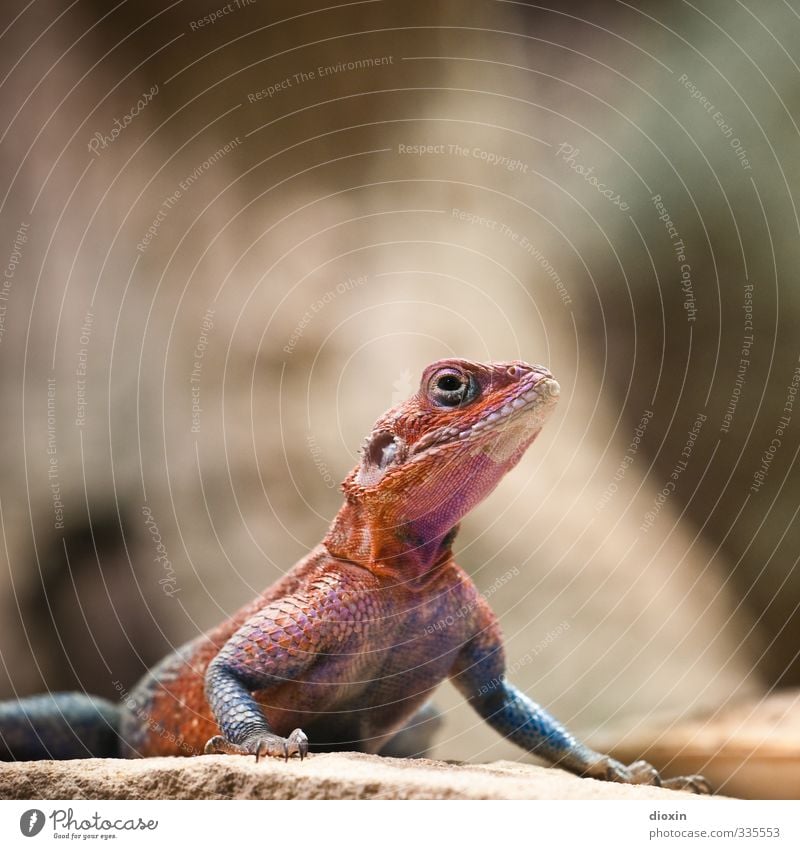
(748, 749)
(317, 205)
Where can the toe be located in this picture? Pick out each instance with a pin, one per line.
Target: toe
(214, 746)
(644, 773)
(692, 783)
(298, 743)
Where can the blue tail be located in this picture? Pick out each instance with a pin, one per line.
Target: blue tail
(59, 726)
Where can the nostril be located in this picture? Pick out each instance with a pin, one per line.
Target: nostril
(553, 388)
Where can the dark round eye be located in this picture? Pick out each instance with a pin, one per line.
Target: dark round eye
(449, 383)
(452, 388)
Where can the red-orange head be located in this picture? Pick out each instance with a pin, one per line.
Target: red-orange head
(431, 459)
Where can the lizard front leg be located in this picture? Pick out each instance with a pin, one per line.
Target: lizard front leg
(241, 719)
(510, 712)
(279, 643)
(479, 674)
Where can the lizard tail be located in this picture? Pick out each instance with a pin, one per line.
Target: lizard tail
(59, 726)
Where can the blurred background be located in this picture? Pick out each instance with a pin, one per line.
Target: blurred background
(233, 235)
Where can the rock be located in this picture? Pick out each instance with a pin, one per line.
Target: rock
(321, 776)
(748, 749)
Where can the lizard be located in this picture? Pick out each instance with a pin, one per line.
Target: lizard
(345, 650)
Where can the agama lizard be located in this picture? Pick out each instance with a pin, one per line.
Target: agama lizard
(347, 647)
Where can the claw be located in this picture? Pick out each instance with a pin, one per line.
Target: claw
(297, 743)
(262, 746)
(641, 772)
(692, 783)
(218, 745)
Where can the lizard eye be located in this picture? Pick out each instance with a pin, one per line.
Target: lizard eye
(451, 388)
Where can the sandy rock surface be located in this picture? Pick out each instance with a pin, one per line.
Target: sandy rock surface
(323, 776)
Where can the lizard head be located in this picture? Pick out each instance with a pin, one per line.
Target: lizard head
(429, 460)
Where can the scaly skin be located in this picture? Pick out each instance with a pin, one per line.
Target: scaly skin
(346, 648)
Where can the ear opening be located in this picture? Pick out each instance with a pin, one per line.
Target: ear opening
(379, 452)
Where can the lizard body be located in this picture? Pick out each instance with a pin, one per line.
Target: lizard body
(345, 650)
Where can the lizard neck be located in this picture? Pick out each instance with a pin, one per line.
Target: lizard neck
(408, 552)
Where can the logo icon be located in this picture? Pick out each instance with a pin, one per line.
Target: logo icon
(402, 387)
(31, 822)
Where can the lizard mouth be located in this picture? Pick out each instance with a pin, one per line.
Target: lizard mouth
(533, 400)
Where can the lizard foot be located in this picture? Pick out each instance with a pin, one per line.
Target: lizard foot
(641, 772)
(262, 745)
